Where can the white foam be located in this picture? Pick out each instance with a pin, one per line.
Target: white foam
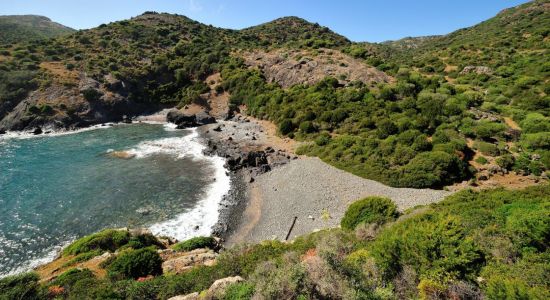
(51, 254)
(28, 134)
(199, 220)
(196, 222)
(179, 147)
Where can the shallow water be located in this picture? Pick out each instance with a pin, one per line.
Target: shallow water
(54, 189)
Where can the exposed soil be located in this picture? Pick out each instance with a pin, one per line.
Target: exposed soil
(290, 67)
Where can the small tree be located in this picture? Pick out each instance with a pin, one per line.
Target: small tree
(135, 264)
(369, 210)
(286, 127)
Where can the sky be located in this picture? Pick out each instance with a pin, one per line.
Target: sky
(358, 20)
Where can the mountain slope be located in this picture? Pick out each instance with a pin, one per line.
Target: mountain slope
(21, 28)
(440, 118)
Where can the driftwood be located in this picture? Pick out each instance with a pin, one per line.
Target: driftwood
(291, 227)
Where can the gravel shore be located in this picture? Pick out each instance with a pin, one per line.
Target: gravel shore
(317, 194)
(262, 206)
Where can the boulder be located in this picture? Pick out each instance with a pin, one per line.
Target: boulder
(179, 262)
(37, 131)
(185, 120)
(192, 296)
(203, 118)
(217, 289)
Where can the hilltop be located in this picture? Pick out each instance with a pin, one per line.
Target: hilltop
(20, 28)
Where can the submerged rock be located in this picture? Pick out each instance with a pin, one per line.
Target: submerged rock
(122, 154)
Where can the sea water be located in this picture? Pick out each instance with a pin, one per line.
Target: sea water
(56, 188)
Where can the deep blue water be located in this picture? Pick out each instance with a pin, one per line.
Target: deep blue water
(54, 189)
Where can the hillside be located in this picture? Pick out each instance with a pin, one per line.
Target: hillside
(14, 29)
(467, 108)
(466, 112)
(473, 245)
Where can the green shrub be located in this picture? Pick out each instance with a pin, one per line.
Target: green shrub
(286, 127)
(535, 141)
(369, 210)
(307, 127)
(487, 129)
(23, 286)
(142, 241)
(323, 139)
(527, 278)
(196, 243)
(282, 279)
(481, 160)
(93, 288)
(91, 94)
(69, 278)
(107, 240)
(135, 264)
(239, 291)
(432, 169)
(535, 122)
(486, 148)
(505, 161)
(432, 244)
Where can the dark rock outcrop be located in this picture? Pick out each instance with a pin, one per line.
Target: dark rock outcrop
(183, 120)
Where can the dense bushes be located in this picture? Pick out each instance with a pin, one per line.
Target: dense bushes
(196, 243)
(454, 239)
(135, 264)
(24, 286)
(491, 243)
(110, 240)
(369, 210)
(107, 240)
(356, 128)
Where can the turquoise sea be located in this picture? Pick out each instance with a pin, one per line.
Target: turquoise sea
(55, 188)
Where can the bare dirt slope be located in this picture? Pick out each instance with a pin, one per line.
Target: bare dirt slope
(290, 67)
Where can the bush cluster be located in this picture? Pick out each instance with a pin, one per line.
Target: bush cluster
(196, 243)
(377, 210)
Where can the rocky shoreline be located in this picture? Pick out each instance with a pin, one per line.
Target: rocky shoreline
(242, 144)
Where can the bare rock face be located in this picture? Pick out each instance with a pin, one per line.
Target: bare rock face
(291, 67)
(179, 262)
(477, 70)
(217, 288)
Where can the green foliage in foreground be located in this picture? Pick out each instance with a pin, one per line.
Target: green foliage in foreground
(24, 286)
(491, 244)
(369, 210)
(109, 240)
(135, 264)
(196, 243)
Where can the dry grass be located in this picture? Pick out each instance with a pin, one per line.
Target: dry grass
(60, 72)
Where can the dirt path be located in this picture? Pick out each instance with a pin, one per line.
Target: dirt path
(511, 123)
